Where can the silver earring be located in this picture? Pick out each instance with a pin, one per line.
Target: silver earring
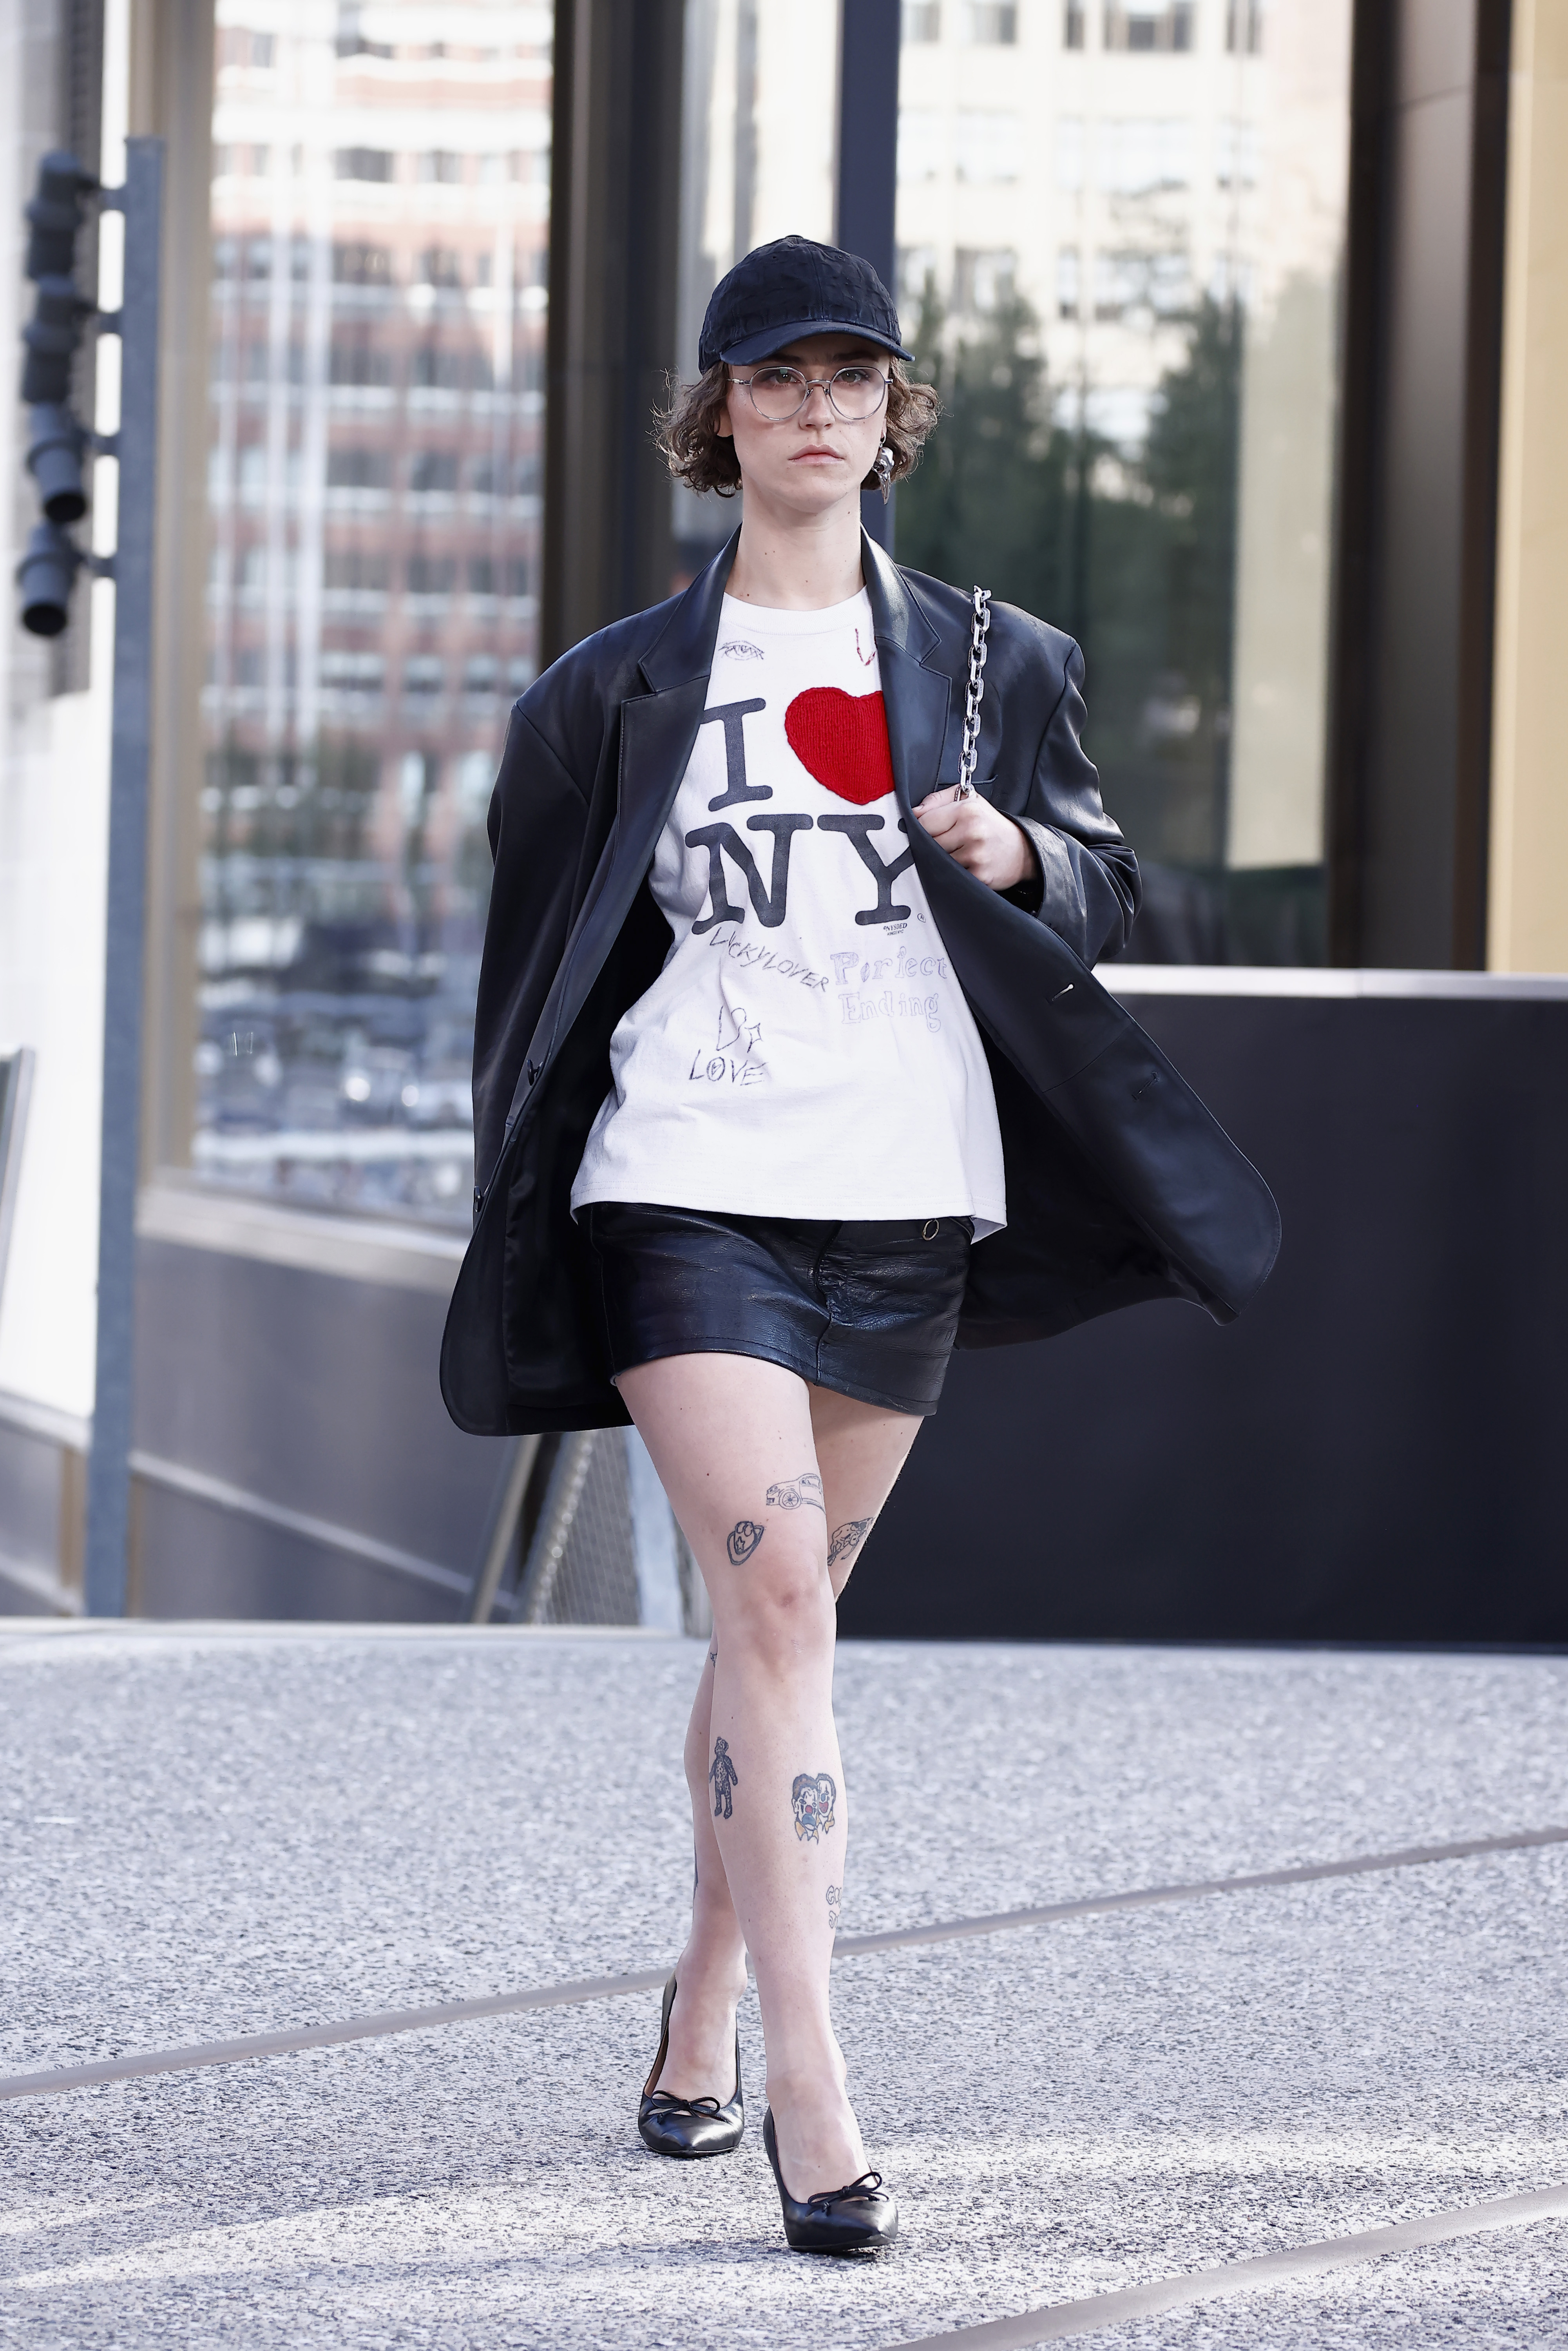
(884, 471)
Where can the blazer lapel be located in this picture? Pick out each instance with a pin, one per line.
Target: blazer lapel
(916, 698)
(657, 732)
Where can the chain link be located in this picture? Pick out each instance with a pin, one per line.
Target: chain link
(977, 694)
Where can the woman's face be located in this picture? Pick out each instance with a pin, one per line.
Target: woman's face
(814, 460)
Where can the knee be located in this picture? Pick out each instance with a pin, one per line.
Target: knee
(783, 1617)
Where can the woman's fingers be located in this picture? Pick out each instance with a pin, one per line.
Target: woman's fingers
(987, 844)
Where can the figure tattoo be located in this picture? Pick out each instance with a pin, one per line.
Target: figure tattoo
(813, 1799)
(742, 1540)
(833, 1892)
(845, 1539)
(791, 1493)
(725, 1778)
(713, 1655)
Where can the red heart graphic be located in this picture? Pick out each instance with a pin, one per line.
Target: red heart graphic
(842, 739)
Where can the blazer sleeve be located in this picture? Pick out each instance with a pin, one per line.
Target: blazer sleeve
(1088, 889)
(537, 823)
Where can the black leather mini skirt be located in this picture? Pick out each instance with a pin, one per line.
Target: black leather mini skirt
(869, 1310)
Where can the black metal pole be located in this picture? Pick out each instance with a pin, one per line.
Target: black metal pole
(868, 166)
(136, 448)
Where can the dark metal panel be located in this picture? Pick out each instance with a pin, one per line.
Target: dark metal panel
(1371, 1454)
(316, 1393)
(1482, 450)
(868, 166)
(1417, 490)
(196, 1561)
(1411, 765)
(614, 196)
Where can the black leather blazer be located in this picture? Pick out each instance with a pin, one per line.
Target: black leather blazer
(1119, 1186)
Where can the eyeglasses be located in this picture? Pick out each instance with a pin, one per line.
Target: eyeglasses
(779, 393)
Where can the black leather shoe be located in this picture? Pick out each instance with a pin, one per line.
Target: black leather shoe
(860, 2219)
(673, 2126)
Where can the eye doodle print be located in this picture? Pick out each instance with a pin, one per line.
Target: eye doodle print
(724, 1778)
(742, 1540)
(796, 1493)
(813, 1799)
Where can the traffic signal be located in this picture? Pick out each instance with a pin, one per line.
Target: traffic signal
(54, 216)
(56, 443)
(45, 576)
(51, 336)
(56, 446)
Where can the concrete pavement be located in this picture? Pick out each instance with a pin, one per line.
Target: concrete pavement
(213, 1831)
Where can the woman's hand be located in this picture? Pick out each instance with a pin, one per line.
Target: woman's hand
(995, 850)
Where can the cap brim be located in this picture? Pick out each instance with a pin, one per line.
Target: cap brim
(773, 338)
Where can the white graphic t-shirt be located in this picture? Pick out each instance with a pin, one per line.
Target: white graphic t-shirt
(806, 1050)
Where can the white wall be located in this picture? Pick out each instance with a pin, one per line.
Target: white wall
(54, 806)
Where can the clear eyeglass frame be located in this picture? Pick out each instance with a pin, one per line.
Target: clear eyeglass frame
(786, 378)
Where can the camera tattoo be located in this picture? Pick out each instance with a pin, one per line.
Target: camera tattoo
(742, 1540)
(813, 1798)
(795, 1493)
(846, 1539)
(724, 1778)
(833, 1892)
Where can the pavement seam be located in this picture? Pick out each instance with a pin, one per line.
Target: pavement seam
(382, 2023)
(1055, 2322)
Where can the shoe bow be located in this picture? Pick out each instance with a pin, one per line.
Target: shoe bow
(858, 2191)
(668, 2104)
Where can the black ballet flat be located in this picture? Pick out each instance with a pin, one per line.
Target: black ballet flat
(860, 2219)
(687, 2127)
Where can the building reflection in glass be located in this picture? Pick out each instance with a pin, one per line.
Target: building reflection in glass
(1120, 231)
(759, 117)
(380, 222)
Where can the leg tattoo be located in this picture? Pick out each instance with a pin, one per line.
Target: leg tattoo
(813, 1800)
(742, 1540)
(725, 1778)
(846, 1539)
(792, 1493)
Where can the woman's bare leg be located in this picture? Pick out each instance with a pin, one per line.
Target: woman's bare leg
(736, 1442)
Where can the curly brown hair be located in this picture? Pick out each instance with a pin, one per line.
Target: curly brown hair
(702, 457)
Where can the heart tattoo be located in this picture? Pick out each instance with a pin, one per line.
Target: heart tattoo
(813, 1800)
(742, 1540)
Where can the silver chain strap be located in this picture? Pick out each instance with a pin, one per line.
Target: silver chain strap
(977, 694)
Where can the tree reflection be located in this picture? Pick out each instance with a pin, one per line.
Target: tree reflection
(1131, 548)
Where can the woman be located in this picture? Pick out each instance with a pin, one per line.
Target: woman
(781, 1028)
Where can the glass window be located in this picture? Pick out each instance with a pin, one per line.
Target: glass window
(1119, 247)
(759, 136)
(378, 330)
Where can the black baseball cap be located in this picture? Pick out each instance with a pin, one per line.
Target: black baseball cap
(795, 286)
